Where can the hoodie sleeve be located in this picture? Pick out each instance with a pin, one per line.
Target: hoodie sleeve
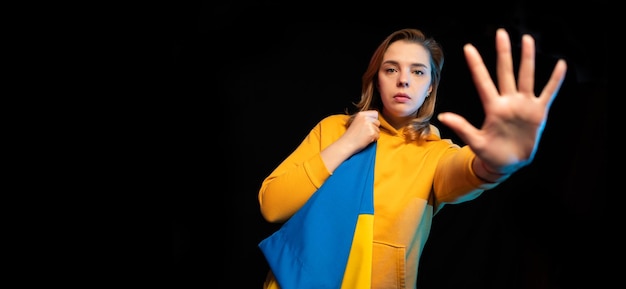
(298, 176)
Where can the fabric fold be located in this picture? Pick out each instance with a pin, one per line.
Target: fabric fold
(328, 242)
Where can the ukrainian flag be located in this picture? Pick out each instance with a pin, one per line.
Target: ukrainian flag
(328, 242)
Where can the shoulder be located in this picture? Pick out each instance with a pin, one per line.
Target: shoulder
(434, 130)
(332, 126)
(435, 137)
(335, 119)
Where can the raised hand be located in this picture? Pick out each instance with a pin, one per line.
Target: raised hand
(363, 130)
(514, 116)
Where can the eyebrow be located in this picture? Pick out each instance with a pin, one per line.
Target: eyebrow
(412, 65)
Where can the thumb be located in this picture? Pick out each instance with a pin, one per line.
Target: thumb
(459, 125)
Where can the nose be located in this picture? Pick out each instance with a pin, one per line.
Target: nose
(403, 80)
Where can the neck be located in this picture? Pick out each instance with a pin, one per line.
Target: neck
(397, 122)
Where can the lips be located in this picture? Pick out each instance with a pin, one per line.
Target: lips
(401, 97)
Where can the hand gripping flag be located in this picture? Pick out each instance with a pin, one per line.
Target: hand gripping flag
(328, 242)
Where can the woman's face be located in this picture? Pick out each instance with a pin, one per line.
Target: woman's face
(404, 79)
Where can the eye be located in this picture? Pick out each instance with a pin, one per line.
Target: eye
(418, 72)
(390, 70)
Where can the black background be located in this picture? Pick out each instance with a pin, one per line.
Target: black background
(246, 82)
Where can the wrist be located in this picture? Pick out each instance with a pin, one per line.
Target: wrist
(487, 174)
(490, 171)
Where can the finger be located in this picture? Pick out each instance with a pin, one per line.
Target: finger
(482, 80)
(553, 86)
(370, 113)
(526, 81)
(504, 67)
(465, 130)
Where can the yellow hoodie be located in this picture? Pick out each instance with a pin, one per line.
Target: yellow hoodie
(411, 183)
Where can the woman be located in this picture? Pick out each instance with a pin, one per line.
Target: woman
(416, 172)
